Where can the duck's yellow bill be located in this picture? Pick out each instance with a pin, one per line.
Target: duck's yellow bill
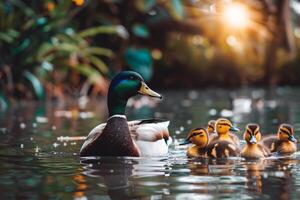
(145, 90)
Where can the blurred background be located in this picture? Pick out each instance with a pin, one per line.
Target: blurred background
(54, 49)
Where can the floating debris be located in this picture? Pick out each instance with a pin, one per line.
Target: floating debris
(22, 146)
(37, 149)
(70, 138)
(177, 132)
(55, 144)
(22, 125)
(53, 127)
(65, 144)
(31, 138)
(73, 143)
(189, 122)
(41, 119)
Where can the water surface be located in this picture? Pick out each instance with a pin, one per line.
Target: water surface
(38, 162)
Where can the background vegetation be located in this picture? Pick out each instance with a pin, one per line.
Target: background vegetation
(55, 49)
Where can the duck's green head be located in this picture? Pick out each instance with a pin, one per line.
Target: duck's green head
(123, 86)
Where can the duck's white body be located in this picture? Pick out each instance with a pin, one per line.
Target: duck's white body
(151, 138)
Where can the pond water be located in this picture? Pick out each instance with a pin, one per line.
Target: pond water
(39, 161)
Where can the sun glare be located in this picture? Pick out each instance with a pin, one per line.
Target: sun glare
(236, 15)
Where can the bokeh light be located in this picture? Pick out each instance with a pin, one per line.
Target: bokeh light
(236, 15)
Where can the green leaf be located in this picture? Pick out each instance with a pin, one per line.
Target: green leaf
(139, 60)
(145, 5)
(3, 102)
(177, 9)
(140, 30)
(97, 30)
(99, 64)
(99, 51)
(92, 74)
(35, 84)
(6, 38)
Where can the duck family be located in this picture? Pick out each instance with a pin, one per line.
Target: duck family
(222, 143)
(150, 137)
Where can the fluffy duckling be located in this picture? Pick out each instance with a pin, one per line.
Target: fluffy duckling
(211, 126)
(223, 127)
(284, 142)
(203, 148)
(254, 149)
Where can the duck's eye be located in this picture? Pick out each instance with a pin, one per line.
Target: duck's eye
(131, 77)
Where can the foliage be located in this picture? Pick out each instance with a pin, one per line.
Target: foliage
(69, 47)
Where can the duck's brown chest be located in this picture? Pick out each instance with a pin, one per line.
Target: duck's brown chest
(115, 140)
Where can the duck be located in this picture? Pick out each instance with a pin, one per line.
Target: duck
(202, 147)
(211, 126)
(284, 142)
(223, 129)
(119, 137)
(253, 149)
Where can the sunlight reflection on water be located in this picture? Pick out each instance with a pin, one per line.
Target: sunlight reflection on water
(40, 144)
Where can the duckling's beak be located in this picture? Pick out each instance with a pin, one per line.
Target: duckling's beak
(292, 138)
(233, 128)
(253, 139)
(145, 90)
(186, 141)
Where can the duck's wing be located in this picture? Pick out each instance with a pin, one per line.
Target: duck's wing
(270, 142)
(235, 139)
(149, 130)
(264, 150)
(93, 135)
(222, 149)
(151, 136)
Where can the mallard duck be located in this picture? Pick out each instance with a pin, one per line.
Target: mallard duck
(223, 127)
(203, 148)
(282, 143)
(118, 137)
(253, 149)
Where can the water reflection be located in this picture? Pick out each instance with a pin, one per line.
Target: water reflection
(55, 171)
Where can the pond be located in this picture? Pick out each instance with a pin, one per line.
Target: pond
(40, 144)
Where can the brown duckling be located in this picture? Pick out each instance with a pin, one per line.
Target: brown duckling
(211, 126)
(254, 149)
(203, 148)
(282, 143)
(223, 127)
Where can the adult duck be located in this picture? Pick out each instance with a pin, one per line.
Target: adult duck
(284, 142)
(118, 137)
(253, 149)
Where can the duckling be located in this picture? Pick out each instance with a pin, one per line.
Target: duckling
(254, 149)
(284, 142)
(211, 126)
(118, 137)
(203, 148)
(223, 127)
(199, 137)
